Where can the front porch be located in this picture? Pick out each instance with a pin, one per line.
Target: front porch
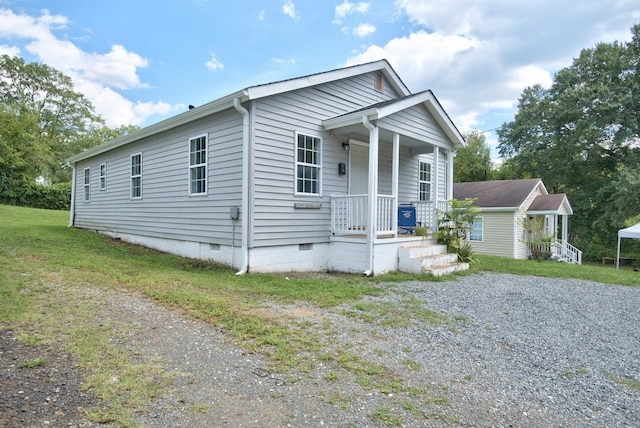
(350, 214)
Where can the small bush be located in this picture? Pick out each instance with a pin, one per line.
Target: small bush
(27, 194)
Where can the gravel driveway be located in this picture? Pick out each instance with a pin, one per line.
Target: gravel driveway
(517, 351)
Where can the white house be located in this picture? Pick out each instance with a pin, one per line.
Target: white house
(505, 205)
(304, 174)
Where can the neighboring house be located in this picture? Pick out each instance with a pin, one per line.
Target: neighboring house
(304, 174)
(504, 207)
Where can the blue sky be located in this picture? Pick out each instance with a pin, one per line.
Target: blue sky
(140, 62)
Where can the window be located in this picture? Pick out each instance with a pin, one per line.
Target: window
(136, 176)
(424, 182)
(87, 184)
(308, 165)
(103, 176)
(198, 166)
(476, 230)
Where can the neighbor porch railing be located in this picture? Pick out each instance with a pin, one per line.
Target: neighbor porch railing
(350, 214)
(563, 250)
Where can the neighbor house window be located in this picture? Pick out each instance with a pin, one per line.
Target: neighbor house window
(103, 176)
(136, 176)
(476, 230)
(308, 164)
(87, 184)
(198, 166)
(424, 182)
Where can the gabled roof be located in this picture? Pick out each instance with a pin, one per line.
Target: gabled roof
(497, 193)
(247, 94)
(387, 108)
(549, 204)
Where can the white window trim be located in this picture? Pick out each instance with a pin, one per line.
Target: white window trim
(86, 188)
(430, 179)
(103, 176)
(297, 163)
(481, 230)
(135, 176)
(205, 164)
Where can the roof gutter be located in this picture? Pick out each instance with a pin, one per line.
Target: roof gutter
(72, 210)
(244, 212)
(371, 233)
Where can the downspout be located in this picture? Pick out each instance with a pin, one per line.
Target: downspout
(373, 147)
(72, 207)
(245, 185)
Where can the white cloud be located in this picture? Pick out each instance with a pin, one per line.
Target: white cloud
(348, 8)
(95, 75)
(9, 50)
(214, 63)
(284, 61)
(364, 30)
(262, 15)
(289, 9)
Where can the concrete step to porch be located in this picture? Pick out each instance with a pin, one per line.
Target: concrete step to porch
(429, 258)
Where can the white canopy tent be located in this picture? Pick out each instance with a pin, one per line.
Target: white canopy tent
(629, 232)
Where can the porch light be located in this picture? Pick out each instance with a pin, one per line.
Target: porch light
(346, 147)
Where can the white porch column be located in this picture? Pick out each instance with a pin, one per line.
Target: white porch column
(565, 228)
(450, 156)
(436, 188)
(372, 195)
(395, 170)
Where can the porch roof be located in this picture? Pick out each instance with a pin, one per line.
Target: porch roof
(550, 204)
(353, 120)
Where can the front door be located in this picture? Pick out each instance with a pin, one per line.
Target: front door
(358, 168)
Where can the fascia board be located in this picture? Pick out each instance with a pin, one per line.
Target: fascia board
(350, 119)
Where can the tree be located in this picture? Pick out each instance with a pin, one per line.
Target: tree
(581, 133)
(473, 163)
(42, 121)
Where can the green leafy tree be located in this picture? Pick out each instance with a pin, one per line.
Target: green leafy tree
(581, 133)
(43, 121)
(473, 162)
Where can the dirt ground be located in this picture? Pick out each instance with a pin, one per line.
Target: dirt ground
(49, 394)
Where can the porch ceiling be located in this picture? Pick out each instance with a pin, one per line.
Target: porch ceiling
(360, 133)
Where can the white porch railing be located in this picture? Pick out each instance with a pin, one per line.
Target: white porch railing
(563, 250)
(350, 214)
(426, 215)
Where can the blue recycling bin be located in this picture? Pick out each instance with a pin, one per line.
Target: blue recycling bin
(407, 218)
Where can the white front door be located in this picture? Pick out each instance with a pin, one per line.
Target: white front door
(358, 168)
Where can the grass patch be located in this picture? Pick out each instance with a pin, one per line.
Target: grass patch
(631, 383)
(406, 313)
(36, 362)
(551, 269)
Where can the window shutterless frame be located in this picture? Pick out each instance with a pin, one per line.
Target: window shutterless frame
(198, 151)
(87, 185)
(424, 181)
(308, 165)
(136, 176)
(476, 230)
(103, 176)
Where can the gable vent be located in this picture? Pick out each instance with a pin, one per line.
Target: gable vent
(379, 83)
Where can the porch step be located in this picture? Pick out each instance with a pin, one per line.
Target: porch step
(429, 258)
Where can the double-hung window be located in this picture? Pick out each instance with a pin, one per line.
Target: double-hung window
(476, 230)
(136, 176)
(87, 185)
(103, 176)
(308, 164)
(424, 182)
(198, 165)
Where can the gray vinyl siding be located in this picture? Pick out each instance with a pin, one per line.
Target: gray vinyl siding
(416, 120)
(275, 120)
(498, 234)
(166, 210)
